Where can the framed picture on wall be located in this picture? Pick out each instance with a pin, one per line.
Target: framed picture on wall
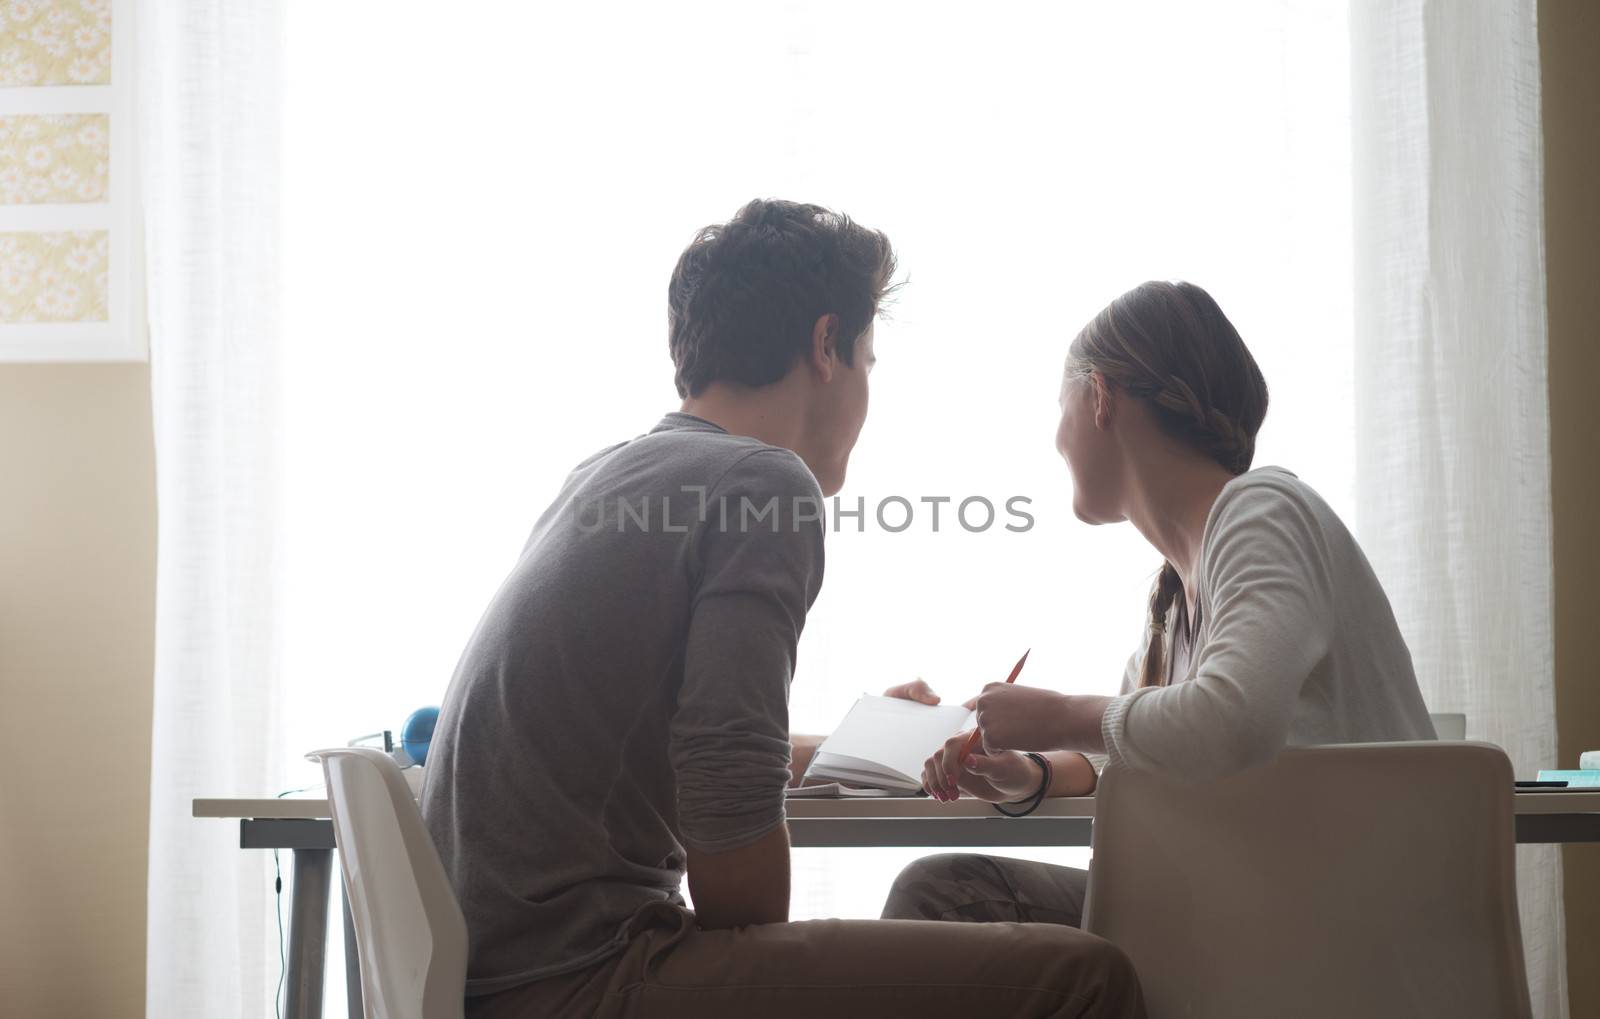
(71, 285)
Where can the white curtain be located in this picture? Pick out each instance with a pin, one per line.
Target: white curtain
(1452, 422)
(209, 96)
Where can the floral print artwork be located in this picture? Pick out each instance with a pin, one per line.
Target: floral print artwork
(56, 154)
(55, 42)
(53, 277)
(55, 158)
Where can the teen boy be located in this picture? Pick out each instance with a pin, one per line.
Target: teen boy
(619, 718)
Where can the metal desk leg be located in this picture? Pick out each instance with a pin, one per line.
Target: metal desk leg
(352, 962)
(308, 933)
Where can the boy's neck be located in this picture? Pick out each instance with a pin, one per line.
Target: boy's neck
(772, 414)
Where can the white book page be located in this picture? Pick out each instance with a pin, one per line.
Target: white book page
(898, 734)
(854, 771)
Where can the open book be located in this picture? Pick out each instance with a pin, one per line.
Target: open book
(884, 741)
(831, 791)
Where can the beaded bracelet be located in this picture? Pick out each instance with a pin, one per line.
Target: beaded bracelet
(1032, 802)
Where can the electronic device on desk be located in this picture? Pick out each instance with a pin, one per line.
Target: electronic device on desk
(1582, 779)
(411, 751)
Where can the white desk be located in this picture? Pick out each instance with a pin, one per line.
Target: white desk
(301, 824)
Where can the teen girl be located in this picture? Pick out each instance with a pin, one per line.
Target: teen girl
(1267, 627)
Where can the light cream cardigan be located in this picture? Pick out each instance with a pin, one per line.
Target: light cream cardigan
(1297, 645)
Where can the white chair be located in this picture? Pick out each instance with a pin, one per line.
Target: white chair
(410, 934)
(1449, 725)
(1368, 880)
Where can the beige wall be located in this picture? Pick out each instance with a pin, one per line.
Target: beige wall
(77, 609)
(1569, 39)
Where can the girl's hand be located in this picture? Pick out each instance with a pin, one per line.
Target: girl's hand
(992, 777)
(1022, 718)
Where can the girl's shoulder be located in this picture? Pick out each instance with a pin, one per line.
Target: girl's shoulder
(1270, 506)
(1267, 490)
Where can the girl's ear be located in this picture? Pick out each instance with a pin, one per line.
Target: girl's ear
(1104, 400)
(825, 346)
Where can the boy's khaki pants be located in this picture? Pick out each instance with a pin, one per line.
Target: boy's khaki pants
(837, 969)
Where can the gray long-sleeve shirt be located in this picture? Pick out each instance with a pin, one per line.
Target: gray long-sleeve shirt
(624, 695)
(1297, 645)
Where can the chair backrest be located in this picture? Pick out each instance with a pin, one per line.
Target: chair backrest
(1367, 880)
(1449, 724)
(410, 932)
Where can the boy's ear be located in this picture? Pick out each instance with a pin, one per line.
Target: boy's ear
(825, 346)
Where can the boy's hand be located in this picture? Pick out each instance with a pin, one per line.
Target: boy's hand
(916, 690)
(1006, 775)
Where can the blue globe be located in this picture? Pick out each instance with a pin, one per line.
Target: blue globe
(417, 733)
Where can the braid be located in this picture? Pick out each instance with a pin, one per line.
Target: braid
(1177, 396)
(1168, 585)
(1236, 448)
(1217, 433)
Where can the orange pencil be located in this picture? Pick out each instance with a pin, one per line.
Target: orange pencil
(972, 741)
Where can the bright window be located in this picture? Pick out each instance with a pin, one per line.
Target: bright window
(484, 205)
